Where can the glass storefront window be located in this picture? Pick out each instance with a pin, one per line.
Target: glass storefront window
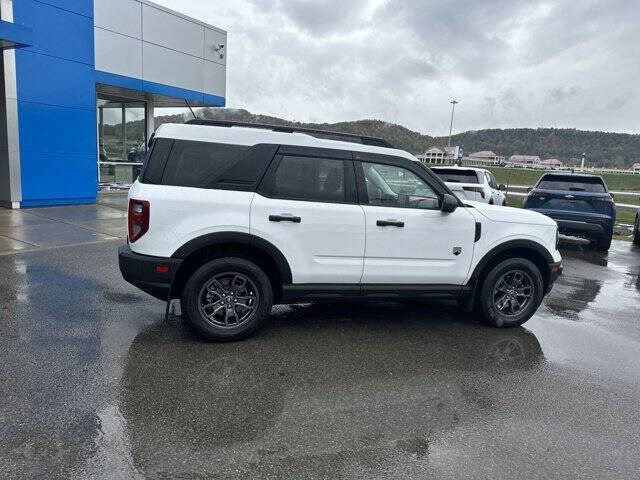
(122, 140)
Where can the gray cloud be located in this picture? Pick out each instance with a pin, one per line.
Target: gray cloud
(511, 63)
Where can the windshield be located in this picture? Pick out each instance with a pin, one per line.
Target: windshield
(455, 175)
(572, 183)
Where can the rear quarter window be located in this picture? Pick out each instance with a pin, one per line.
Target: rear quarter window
(199, 164)
(572, 184)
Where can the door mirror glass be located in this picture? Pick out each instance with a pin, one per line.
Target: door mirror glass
(449, 203)
(502, 187)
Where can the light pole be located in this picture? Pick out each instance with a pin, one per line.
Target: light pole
(453, 108)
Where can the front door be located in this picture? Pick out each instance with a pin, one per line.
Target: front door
(409, 240)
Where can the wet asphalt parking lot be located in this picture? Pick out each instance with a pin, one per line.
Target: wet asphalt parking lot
(94, 383)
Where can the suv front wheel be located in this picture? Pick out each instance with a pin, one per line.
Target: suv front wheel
(511, 293)
(227, 299)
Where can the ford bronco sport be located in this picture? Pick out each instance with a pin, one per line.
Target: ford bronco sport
(232, 218)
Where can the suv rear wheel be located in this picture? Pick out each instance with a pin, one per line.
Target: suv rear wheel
(603, 244)
(227, 299)
(510, 293)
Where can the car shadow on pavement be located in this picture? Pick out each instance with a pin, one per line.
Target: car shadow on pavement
(380, 379)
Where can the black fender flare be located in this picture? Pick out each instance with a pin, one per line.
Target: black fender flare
(217, 238)
(510, 245)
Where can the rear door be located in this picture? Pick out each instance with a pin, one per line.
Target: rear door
(409, 239)
(307, 207)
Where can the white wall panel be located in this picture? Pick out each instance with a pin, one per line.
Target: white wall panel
(122, 16)
(117, 53)
(171, 31)
(169, 67)
(212, 38)
(215, 78)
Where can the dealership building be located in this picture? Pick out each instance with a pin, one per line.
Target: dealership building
(79, 82)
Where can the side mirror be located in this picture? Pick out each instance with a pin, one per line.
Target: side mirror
(502, 187)
(612, 195)
(529, 189)
(449, 203)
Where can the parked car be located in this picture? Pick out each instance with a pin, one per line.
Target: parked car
(476, 184)
(636, 229)
(231, 218)
(581, 205)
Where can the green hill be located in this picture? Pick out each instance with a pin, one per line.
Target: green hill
(602, 148)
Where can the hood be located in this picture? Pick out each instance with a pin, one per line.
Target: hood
(509, 214)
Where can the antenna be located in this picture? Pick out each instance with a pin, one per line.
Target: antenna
(192, 113)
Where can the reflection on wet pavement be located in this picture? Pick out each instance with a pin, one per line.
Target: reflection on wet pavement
(95, 384)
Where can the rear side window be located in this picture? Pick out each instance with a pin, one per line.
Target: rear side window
(307, 178)
(572, 183)
(199, 164)
(456, 175)
(154, 168)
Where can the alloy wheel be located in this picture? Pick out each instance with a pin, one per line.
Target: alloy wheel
(228, 300)
(513, 292)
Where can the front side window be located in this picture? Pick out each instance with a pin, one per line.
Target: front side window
(311, 179)
(391, 186)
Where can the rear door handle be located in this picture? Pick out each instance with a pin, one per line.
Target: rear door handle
(390, 223)
(284, 218)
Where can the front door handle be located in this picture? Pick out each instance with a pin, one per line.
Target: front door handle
(390, 223)
(284, 218)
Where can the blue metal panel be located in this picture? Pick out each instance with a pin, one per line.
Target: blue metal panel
(53, 81)
(158, 89)
(57, 32)
(214, 100)
(58, 178)
(13, 35)
(83, 7)
(56, 103)
(46, 128)
(118, 80)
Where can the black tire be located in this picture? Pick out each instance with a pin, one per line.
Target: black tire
(603, 244)
(488, 298)
(636, 231)
(257, 286)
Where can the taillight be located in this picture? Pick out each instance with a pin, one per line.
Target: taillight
(479, 190)
(138, 219)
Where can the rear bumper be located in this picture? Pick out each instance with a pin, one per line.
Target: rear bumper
(581, 228)
(142, 271)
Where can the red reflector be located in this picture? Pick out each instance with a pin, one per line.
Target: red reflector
(162, 269)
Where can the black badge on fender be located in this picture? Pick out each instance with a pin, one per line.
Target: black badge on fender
(457, 251)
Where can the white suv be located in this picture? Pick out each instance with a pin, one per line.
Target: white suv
(475, 184)
(233, 218)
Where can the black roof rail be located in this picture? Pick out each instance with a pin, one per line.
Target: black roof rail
(365, 140)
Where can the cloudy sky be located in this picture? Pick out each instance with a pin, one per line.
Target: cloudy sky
(510, 63)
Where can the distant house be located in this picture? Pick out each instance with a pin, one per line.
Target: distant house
(635, 166)
(440, 155)
(551, 163)
(486, 157)
(524, 160)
